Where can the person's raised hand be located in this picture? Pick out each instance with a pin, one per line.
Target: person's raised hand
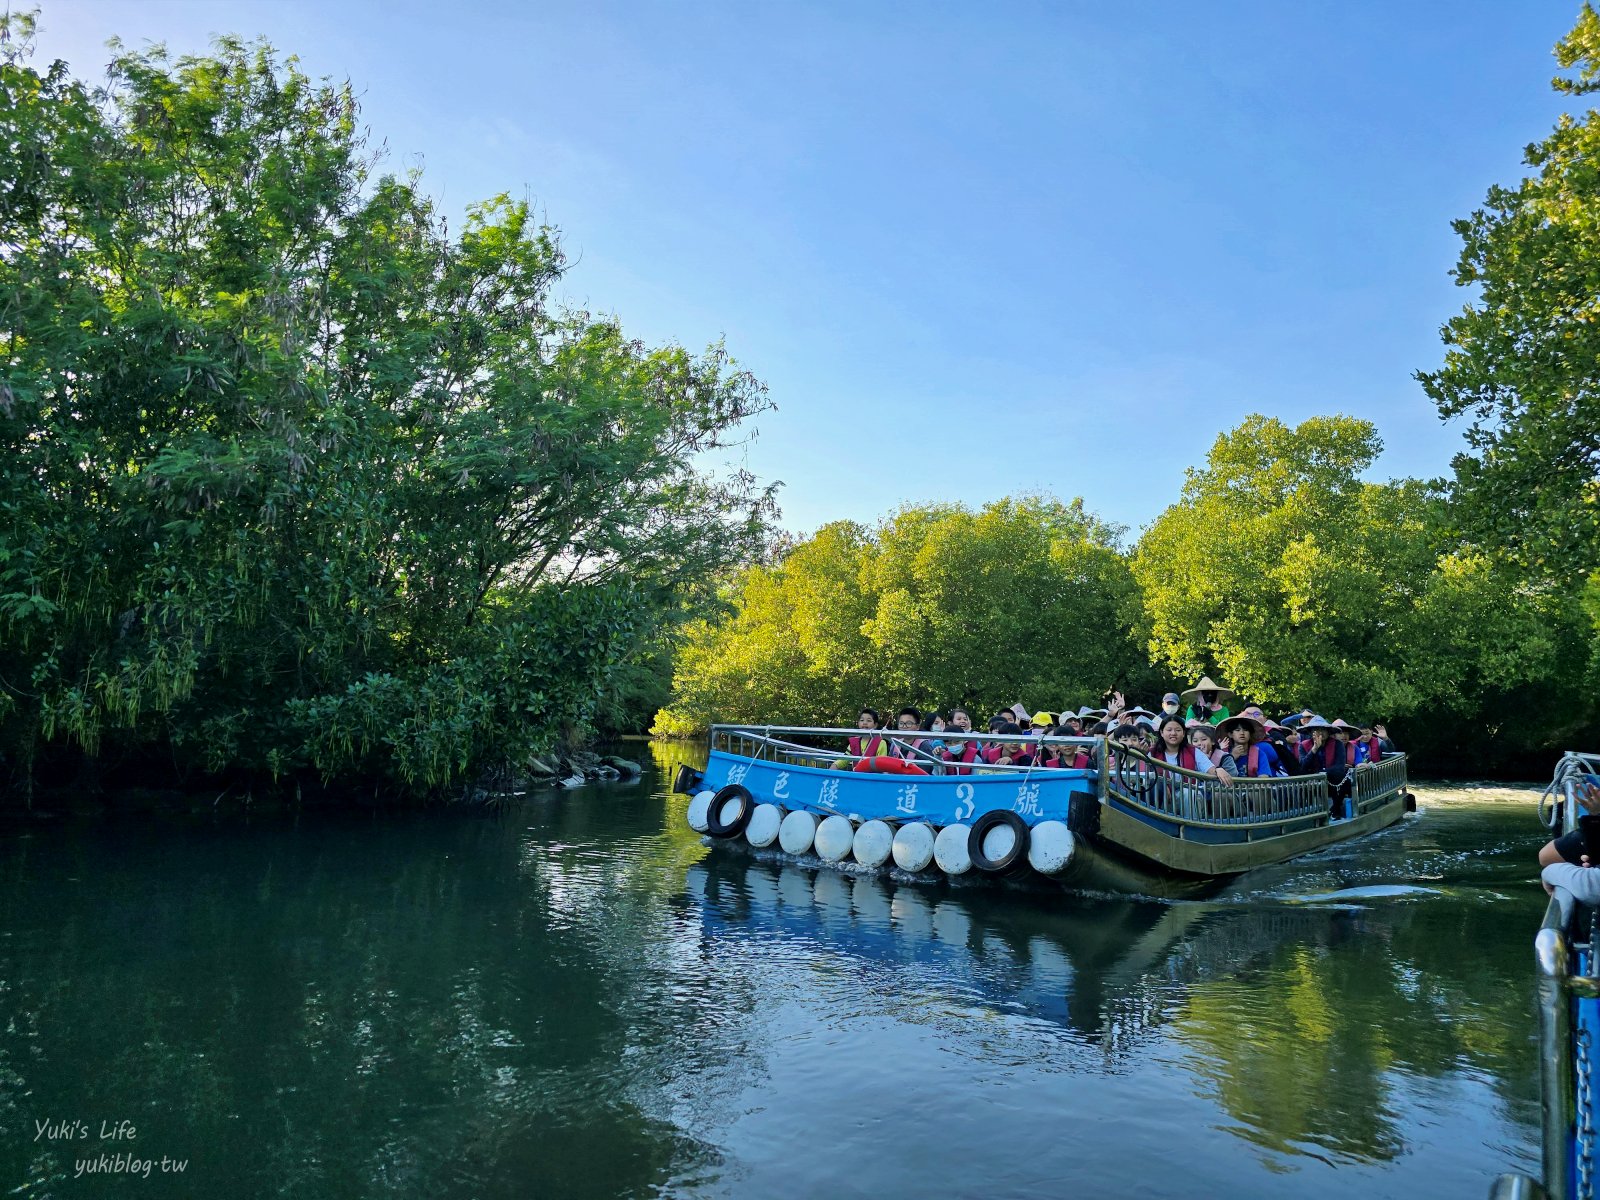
(1381, 731)
(1589, 799)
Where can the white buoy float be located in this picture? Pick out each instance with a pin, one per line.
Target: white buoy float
(999, 841)
(950, 849)
(699, 810)
(834, 838)
(764, 824)
(797, 832)
(913, 846)
(872, 844)
(1051, 846)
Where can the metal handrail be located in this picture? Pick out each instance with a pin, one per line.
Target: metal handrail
(1190, 797)
(1558, 1103)
(947, 735)
(756, 742)
(1373, 782)
(1313, 817)
(1573, 764)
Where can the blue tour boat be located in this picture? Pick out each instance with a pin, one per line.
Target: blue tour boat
(1125, 823)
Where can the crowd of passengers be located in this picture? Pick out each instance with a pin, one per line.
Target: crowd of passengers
(1194, 730)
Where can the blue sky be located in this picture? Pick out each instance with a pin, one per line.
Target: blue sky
(972, 249)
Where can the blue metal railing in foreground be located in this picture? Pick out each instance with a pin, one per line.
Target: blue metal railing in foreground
(1569, 1007)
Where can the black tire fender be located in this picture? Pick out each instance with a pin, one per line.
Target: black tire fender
(980, 830)
(714, 823)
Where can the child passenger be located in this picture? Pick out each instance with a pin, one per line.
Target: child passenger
(1245, 740)
(1012, 753)
(866, 744)
(1173, 749)
(1204, 738)
(1072, 758)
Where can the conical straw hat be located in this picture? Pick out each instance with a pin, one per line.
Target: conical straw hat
(1205, 685)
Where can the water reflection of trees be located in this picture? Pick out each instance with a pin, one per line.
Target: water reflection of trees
(337, 1006)
(1302, 1021)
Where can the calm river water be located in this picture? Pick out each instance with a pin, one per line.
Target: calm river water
(573, 998)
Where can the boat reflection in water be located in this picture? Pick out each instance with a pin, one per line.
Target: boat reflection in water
(1302, 1021)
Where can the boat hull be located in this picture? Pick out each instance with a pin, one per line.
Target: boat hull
(1118, 845)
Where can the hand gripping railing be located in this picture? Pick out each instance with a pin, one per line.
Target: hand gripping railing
(1191, 798)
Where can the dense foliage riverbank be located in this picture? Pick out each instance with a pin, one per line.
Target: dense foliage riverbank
(304, 491)
(300, 487)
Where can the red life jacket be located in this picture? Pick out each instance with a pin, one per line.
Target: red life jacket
(869, 744)
(970, 753)
(1185, 757)
(1374, 746)
(1330, 753)
(1070, 759)
(1253, 764)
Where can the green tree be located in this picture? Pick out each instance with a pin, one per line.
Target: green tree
(1286, 574)
(291, 477)
(1523, 359)
(1027, 599)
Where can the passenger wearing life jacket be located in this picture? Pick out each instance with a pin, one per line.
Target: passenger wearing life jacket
(1246, 739)
(1204, 739)
(1376, 739)
(907, 721)
(1072, 758)
(1320, 750)
(1174, 749)
(866, 744)
(1349, 737)
(1322, 753)
(961, 755)
(1012, 754)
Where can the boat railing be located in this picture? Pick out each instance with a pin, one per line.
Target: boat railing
(1558, 804)
(1374, 784)
(1191, 798)
(792, 745)
(1564, 953)
(1554, 950)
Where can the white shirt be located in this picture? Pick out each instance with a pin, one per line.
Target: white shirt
(1201, 763)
